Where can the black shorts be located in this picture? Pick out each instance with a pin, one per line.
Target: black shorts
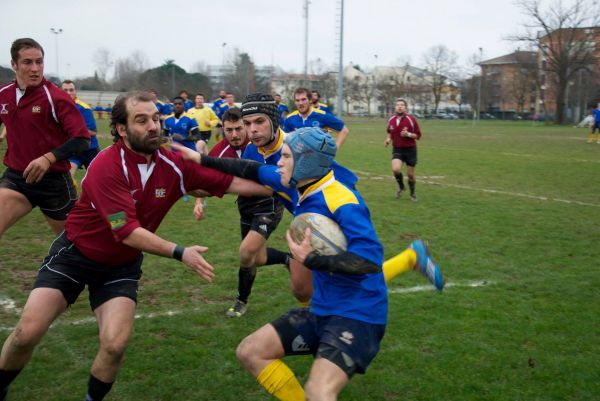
(350, 344)
(55, 194)
(205, 136)
(407, 155)
(67, 270)
(262, 223)
(596, 126)
(85, 158)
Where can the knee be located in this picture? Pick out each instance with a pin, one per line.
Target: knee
(245, 351)
(247, 257)
(25, 338)
(114, 348)
(314, 392)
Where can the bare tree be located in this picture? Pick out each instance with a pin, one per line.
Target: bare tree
(103, 60)
(565, 38)
(127, 71)
(441, 64)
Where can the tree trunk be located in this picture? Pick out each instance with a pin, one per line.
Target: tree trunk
(560, 102)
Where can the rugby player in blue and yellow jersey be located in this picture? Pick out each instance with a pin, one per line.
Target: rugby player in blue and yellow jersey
(315, 100)
(282, 108)
(259, 216)
(306, 116)
(85, 158)
(215, 107)
(180, 127)
(346, 320)
(187, 103)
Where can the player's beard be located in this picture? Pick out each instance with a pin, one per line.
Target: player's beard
(147, 144)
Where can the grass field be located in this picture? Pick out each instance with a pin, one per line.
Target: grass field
(512, 213)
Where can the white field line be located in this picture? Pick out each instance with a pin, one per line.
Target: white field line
(8, 305)
(424, 180)
(421, 288)
(152, 315)
(91, 319)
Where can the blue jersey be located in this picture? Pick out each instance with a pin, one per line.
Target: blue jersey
(188, 104)
(88, 115)
(216, 104)
(183, 126)
(163, 108)
(315, 118)
(322, 106)
(361, 297)
(597, 115)
(223, 107)
(281, 109)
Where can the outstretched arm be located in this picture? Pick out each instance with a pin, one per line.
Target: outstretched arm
(191, 256)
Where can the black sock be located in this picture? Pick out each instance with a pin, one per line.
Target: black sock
(6, 377)
(245, 280)
(411, 184)
(400, 180)
(276, 257)
(97, 389)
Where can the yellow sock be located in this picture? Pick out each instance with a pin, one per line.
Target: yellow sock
(591, 137)
(304, 304)
(279, 380)
(399, 264)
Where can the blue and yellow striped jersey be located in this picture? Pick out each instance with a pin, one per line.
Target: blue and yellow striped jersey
(88, 115)
(315, 118)
(361, 297)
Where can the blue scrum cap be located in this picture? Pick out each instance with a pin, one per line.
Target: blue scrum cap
(313, 151)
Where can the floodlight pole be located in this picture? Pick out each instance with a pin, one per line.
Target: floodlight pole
(306, 3)
(479, 84)
(340, 78)
(56, 32)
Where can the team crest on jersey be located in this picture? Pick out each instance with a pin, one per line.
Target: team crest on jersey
(160, 192)
(315, 124)
(3, 108)
(36, 109)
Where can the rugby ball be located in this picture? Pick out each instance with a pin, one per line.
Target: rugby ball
(326, 236)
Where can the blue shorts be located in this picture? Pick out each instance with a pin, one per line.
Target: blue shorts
(348, 343)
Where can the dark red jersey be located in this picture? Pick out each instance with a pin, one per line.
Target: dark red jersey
(395, 126)
(122, 192)
(42, 119)
(224, 149)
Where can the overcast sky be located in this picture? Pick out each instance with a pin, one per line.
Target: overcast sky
(376, 32)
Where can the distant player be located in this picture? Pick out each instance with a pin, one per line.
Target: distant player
(282, 108)
(315, 100)
(179, 127)
(596, 126)
(188, 104)
(215, 107)
(307, 116)
(205, 117)
(85, 158)
(227, 104)
(403, 133)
